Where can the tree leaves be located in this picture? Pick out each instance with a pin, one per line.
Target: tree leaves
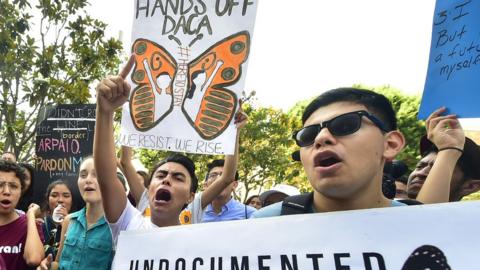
(52, 59)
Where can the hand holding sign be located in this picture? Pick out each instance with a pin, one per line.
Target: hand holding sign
(113, 91)
(241, 117)
(445, 131)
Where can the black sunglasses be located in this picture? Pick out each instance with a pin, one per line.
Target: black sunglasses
(341, 125)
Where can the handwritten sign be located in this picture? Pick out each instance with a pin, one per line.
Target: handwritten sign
(364, 239)
(190, 65)
(64, 137)
(453, 71)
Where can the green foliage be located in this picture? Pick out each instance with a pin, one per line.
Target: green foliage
(299, 178)
(265, 149)
(50, 58)
(472, 197)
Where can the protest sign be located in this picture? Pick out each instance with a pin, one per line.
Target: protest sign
(190, 65)
(454, 66)
(383, 238)
(64, 136)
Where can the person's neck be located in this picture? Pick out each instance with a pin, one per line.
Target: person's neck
(94, 211)
(8, 218)
(219, 202)
(163, 221)
(371, 197)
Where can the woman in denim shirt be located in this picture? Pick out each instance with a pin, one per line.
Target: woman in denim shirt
(86, 239)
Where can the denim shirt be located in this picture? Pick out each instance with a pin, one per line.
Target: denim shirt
(86, 248)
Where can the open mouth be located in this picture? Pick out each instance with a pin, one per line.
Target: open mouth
(89, 189)
(5, 203)
(326, 159)
(163, 195)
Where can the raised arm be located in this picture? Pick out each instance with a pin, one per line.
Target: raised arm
(112, 92)
(448, 136)
(34, 252)
(230, 167)
(133, 179)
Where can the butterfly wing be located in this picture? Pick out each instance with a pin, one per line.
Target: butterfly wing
(154, 73)
(208, 75)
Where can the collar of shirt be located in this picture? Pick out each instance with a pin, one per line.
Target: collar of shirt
(229, 205)
(81, 216)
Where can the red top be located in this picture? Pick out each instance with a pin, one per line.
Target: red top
(12, 243)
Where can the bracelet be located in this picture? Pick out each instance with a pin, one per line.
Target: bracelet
(451, 147)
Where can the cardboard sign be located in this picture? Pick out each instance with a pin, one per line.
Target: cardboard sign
(190, 65)
(453, 73)
(434, 236)
(64, 136)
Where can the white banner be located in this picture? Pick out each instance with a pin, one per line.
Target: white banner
(441, 236)
(190, 65)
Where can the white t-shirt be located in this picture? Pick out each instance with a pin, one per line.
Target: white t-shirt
(131, 219)
(194, 211)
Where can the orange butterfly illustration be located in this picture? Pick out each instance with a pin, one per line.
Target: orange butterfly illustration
(207, 105)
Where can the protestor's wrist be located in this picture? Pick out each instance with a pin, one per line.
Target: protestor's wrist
(451, 148)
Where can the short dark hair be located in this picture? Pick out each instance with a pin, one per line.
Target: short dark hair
(376, 103)
(218, 163)
(402, 179)
(8, 166)
(185, 162)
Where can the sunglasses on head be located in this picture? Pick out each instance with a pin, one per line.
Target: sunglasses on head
(342, 125)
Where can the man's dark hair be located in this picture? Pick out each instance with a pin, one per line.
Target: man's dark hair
(402, 179)
(8, 166)
(376, 104)
(185, 162)
(218, 163)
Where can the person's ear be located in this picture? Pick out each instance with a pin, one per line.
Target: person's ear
(191, 197)
(394, 143)
(469, 187)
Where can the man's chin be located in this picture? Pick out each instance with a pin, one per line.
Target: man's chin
(335, 191)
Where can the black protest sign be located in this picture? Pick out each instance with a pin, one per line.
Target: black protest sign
(64, 137)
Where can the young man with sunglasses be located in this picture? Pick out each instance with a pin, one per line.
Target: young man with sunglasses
(348, 134)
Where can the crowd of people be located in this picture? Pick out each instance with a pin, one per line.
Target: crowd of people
(347, 147)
